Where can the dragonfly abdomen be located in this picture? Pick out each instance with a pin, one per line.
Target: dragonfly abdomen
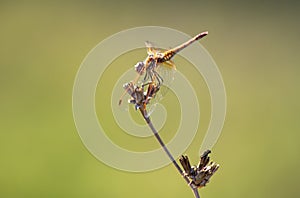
(168, 55)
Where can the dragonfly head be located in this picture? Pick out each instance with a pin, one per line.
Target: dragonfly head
(139, 67)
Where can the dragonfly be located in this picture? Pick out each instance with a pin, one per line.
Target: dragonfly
(201, 173)
(155, 60)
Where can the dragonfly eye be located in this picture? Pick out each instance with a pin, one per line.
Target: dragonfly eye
(139, 67)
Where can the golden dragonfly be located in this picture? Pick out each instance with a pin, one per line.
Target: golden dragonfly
(155, 59)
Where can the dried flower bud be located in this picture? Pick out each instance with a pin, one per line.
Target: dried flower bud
(201, 174)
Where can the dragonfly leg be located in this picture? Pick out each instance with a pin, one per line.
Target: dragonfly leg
(158, 77)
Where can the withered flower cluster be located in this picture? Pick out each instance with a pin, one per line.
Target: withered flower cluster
(200, 174)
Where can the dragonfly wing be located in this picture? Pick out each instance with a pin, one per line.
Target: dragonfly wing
(151, 50)
(166, 71)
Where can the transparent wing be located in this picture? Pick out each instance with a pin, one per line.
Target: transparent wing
(150, 48)
(166, 71)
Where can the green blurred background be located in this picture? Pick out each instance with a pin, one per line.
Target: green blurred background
(255, 44)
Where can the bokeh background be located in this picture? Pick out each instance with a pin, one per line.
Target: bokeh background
(255, 44)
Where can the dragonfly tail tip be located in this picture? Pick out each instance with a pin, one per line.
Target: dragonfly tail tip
(201, 35)
(204, 33)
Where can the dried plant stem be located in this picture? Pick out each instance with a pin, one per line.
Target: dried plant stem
(196, 193)
(157, 136)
